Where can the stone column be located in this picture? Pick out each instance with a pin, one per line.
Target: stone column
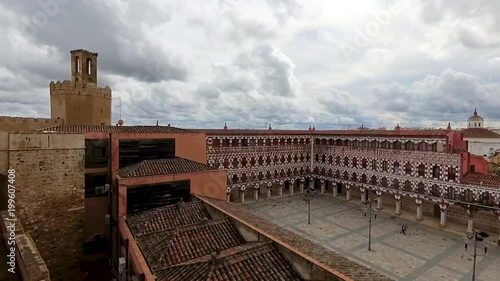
(470, 221)
(398, 204)
(348, 193)
(242, 193)
(322, 186)
(280, 189)
(269, 187)
(228, 194)
(442, 222)
(291, 185)
(256, 192)
(363, 198)
(419, 209)
(379, 199)
(497, 214)
(334, 188)
(301, 185)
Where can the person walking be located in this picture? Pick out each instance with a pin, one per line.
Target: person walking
(404, 227)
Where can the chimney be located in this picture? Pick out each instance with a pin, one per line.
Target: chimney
(270, 128)
(217, 257)
(156, 122)
(313, 129)
(310, 129)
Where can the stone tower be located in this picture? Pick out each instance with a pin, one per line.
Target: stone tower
(80, 101)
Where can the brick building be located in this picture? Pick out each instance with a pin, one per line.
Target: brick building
(97, 185)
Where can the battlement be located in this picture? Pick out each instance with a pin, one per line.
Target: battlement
(66, 88)
(83, 51)
(22, 124)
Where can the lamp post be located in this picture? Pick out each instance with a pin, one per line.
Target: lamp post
(308, 196)
(477, 236)
(371, 217)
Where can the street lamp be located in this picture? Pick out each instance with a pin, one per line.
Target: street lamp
(477, 236)
(371, 217)
(308, 196)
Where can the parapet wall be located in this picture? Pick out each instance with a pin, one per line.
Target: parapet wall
(66, 88)
(28, 261)
(20, 124)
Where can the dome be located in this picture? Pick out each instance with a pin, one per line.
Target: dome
(475, 117)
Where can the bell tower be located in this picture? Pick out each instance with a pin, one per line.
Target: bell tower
(83, 67)
(80, 101)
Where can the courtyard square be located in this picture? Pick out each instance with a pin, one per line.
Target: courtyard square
(425, 253)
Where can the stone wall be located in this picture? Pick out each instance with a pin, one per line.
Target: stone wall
(22, 124)
(29, 264)
(49, 171)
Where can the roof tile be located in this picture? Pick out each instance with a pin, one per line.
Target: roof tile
(167, 248)
(366, 133)
(484, 179)
(479, 133)
(251, 261)
(109, 129)
(160, 167)
(167, 218)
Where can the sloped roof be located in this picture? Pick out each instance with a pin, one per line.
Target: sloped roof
(181, 242)
(159, 167)
(167, 248)
(251, 261)
(364, 133)
(167, 217)
(478, 178)
(79, 129)
(479, 133)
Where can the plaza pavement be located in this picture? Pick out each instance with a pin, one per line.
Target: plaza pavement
(425, 253)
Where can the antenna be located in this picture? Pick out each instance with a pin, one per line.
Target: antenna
(120, 106)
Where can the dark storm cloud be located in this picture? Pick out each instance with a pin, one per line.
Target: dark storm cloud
(449, 96)
(115, 30)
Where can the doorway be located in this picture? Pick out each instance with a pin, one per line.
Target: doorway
(437, 211)
(339, 187)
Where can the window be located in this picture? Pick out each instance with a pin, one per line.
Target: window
(472, 168)
(89, 66)
(354, 162)
(99, 152)
(421, 170)
(346, 161)
(397, 145)
(374, 165)
(337, 160)
(451, 174)
(410, 145)
(408, 168)
(364, 163)
(385, 166)
(396, 168)
(435, 172)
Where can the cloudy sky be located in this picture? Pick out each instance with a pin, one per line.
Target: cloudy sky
(291, 63)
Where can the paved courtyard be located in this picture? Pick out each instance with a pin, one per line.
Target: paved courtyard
(425, 253)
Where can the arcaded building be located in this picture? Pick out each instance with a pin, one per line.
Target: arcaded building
(137, 195)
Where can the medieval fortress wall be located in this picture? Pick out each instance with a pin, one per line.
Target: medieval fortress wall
(23, 124)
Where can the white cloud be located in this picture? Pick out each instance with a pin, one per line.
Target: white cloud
(204, 63)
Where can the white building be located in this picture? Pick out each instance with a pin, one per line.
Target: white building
(482, 141)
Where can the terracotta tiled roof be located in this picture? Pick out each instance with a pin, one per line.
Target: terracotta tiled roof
(365, 133)
(477, 178)
(167, 248)
(79, 129)
(160, 167)
(167, 218)
(479, 133)
(252, 261)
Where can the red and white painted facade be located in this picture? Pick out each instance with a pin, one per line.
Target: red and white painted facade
(395, 166)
